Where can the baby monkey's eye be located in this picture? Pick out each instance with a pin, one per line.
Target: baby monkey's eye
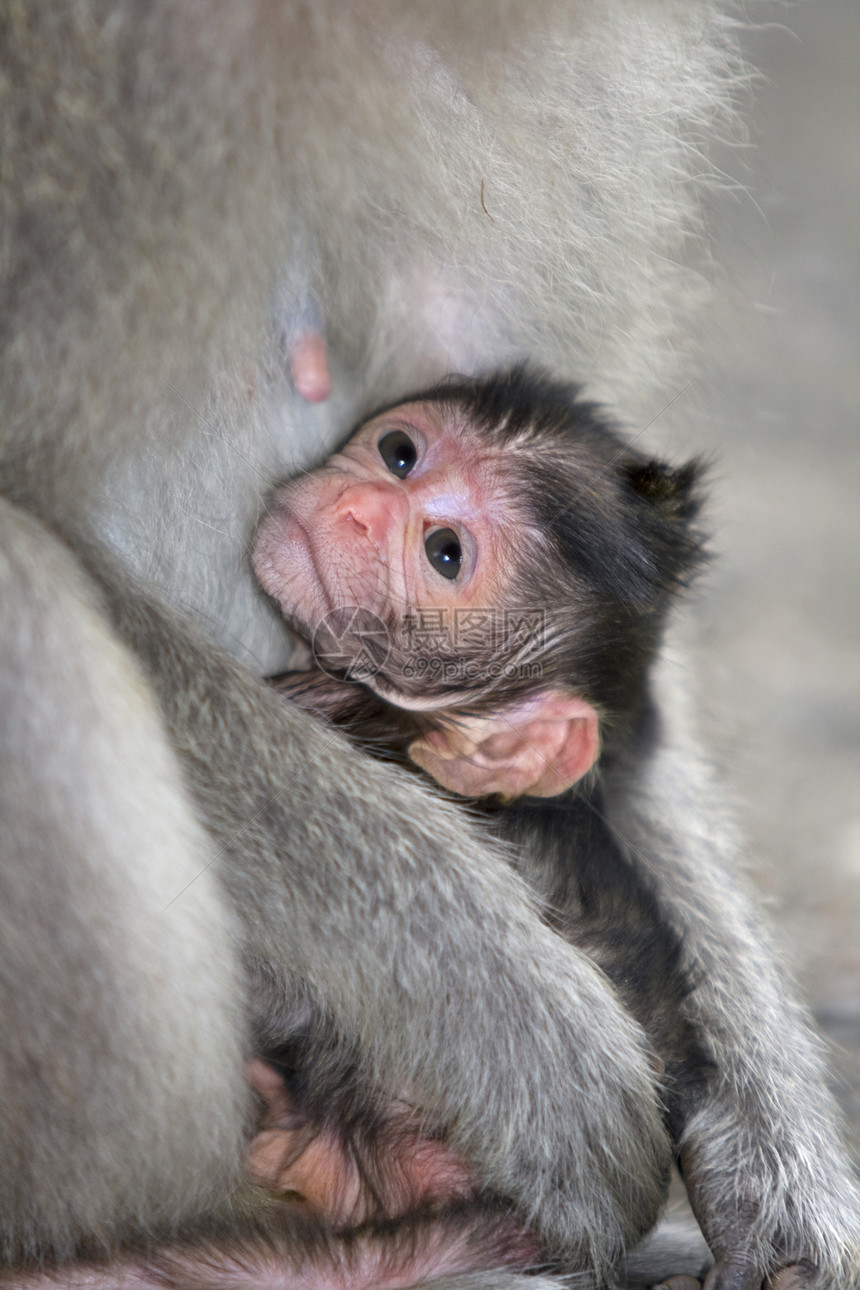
(444, 552)
(398, 452)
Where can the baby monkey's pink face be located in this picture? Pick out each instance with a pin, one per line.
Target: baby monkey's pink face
(416, 514)
(410, 515)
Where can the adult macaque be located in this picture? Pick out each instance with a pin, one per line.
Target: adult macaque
(186, 863)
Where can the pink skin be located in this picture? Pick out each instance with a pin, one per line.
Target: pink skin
(354, 533)
(317, 1175)
(367, 1265)
(435, 1256)
(319, 1167)
(309, 367)
(352, 526)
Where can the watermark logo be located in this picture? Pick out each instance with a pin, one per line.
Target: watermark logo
(466, 645)
(351, 643)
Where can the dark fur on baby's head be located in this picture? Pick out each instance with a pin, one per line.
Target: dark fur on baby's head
(608, 537)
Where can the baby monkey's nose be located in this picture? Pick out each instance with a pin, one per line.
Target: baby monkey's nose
(370, 507)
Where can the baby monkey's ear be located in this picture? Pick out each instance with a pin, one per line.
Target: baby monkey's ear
(534, 747)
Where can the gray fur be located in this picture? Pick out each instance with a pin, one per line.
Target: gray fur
(766, 1156)
(115, 1000)
(175, 177)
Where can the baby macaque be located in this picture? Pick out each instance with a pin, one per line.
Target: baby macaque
(494, 565)
(483, 574)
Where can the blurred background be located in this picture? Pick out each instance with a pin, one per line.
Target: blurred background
(779, 614)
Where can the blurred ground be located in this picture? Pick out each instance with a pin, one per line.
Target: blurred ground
(780, 614)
